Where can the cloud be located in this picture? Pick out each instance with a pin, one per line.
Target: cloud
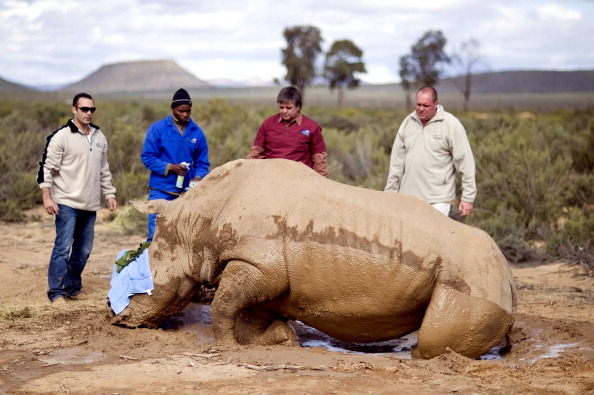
(62, 41)
(556, 11)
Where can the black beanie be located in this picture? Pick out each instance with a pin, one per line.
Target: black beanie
(181, 97)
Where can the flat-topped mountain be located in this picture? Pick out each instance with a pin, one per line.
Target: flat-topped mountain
(137, 76)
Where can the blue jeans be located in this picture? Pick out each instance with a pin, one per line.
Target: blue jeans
(154, 195)
(75, 230)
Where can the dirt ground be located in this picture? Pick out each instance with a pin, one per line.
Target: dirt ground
(73, 349)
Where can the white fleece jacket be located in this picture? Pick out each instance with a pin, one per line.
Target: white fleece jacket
(425, 160)
(76, 169)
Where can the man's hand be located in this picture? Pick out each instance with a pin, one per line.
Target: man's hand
(178, 169)
(112, 204)
(48, 203)
(465, 208)
(194, 181)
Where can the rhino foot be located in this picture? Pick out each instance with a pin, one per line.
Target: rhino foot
(256, 330)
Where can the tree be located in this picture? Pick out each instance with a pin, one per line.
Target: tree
(304, 44)
(428, 55)
(407, 77)
(343, 60)
(423, 65)
(468, 59)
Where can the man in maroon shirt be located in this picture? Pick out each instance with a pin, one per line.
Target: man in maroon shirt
(291, 135)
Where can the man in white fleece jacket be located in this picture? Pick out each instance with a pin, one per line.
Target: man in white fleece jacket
(430, 147)
(73, 173)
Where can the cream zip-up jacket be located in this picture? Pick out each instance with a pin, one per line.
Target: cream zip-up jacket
(76, 169)
(425, 160)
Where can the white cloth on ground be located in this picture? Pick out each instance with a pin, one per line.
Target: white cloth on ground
(135, 278)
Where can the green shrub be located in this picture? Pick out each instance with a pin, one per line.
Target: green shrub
(503, 226)
(21, 144)
(130, 221)
(515, 166)
(580, 140)
(125, 141)
(580, 191)
(357, 158)
(574, 241)
(131, 186)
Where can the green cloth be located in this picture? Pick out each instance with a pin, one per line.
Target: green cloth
(130, 255)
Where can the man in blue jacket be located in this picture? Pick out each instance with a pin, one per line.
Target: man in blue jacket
(174, 146)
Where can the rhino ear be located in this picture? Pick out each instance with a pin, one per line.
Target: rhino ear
(151, 206)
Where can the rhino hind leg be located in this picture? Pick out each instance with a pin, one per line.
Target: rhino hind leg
(462, 323)
(237, 311)
(263, 327)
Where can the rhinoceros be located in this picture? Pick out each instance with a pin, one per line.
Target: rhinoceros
(282, 243)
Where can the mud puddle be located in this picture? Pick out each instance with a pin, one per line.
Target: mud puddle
(70, 356)
(196, 319)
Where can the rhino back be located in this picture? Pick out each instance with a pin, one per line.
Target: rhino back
(355, 244)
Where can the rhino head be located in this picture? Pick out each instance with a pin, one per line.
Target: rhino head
(177, 259)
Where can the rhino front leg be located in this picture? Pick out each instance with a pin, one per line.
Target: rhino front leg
(238, 314)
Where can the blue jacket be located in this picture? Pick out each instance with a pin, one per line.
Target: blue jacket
(164, 144)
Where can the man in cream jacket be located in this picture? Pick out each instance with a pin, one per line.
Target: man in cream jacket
(430, 147)
(73, 174)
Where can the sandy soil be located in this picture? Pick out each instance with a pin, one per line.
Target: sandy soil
(73, 349)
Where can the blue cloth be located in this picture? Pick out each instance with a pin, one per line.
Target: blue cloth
(164, 144)
(75, 230)
(135, 278)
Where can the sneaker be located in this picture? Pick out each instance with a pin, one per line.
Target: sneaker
(82, 295)
(58, 301)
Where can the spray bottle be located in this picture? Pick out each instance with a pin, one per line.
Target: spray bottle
(180, 179)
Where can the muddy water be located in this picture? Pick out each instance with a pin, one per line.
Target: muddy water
(71, 356)
(398, 348)
(196, 319)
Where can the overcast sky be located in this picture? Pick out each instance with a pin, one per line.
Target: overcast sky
(62, 41)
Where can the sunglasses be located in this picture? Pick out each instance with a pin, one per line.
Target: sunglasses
(87, 109)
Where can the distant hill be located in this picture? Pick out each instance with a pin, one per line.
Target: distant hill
(158, 78)
(7, 86)
(137, 77)
(530, 81)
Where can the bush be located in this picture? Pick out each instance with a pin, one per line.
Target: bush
(574, 241)
(511, 237)
(357, 158)
(22, 141)
(130, 220)
(230, 130)
(131, 186)
(580, 192)
(516, 167)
